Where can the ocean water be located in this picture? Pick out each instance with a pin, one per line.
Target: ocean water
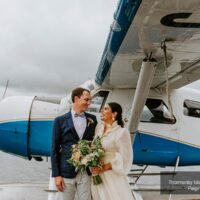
(21, 179)
(14, 169)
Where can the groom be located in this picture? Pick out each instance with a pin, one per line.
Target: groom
(68, 130)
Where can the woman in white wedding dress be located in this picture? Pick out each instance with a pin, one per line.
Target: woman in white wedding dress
(118, 156)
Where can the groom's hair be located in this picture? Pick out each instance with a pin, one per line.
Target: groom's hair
(77, 92)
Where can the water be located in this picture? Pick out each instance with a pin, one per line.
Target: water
(23, 192)
(21, 179)
(14, 169)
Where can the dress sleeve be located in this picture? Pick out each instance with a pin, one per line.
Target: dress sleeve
(122, 161)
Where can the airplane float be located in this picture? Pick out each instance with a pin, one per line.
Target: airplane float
(152, 51)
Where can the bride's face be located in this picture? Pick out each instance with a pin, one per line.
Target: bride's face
(106, 114)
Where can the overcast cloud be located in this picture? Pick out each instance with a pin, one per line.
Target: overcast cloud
(48, 47)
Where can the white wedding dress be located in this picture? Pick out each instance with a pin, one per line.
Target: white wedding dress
(117, 144)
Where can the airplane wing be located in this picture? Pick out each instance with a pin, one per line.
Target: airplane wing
(141, 27)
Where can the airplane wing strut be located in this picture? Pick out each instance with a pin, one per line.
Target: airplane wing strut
(142, 90)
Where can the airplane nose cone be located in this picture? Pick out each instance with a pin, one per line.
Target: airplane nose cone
(26, 126)
(14, 119)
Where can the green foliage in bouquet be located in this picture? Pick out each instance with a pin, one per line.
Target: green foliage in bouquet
(87, 154)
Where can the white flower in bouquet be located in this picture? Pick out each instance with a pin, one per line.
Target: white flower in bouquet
(86, 159)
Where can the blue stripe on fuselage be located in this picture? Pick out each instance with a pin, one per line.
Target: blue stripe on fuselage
(148, 149)
(14, 137)
(154, 150)
(40, 137)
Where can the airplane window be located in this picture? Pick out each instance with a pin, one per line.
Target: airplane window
(98, 101)
(191, 108)
(155, 111)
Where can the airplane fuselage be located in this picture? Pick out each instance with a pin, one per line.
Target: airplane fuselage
(159, 139)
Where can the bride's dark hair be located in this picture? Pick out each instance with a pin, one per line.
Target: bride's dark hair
(115, 107)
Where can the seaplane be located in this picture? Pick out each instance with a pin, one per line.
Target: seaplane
(152, 51)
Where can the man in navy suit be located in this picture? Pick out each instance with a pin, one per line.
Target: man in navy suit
(68, 130)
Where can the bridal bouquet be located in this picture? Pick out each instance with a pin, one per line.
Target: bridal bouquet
(88, 154)
(79, 152)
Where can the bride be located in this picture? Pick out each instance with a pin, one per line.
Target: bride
(116, 142)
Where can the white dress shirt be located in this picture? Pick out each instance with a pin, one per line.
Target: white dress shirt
(79, 123)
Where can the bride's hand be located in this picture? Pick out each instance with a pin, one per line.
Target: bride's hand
(96, 170)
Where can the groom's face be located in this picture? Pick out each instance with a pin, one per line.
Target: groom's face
(83, 101)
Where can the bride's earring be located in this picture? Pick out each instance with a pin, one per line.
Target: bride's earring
(113, 119)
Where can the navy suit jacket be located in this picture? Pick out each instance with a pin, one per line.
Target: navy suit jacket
(64, 136)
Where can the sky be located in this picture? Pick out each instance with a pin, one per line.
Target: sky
(49, 47)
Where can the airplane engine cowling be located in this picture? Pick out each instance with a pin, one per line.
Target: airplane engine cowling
(26, 125)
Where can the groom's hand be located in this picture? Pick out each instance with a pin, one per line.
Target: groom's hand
(60, 183)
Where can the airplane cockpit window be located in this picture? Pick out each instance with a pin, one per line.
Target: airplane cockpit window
(191, 108)
(98, 101)
(155, 111)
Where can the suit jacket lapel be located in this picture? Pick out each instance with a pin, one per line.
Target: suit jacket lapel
(71, 124)
(87, 126)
